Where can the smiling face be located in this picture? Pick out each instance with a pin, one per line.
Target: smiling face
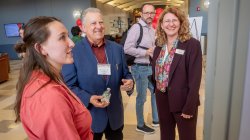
(170, 25)
(94, 27)
(57, 48)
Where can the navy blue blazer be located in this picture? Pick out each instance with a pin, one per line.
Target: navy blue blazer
(81, 77)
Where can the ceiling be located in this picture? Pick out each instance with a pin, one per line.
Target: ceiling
(130, 5)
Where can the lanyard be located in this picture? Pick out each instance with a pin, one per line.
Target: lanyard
(107, 60)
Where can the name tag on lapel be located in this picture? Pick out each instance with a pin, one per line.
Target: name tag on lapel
(179, 51)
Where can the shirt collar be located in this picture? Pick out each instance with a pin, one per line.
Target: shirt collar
(94, 45)
(143, 23)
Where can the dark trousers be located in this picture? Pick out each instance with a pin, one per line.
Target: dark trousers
(110, 134)
(168, 120)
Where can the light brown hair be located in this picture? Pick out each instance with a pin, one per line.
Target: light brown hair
(184, 31)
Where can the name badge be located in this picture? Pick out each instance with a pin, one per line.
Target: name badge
(179, 51)
(103, 69)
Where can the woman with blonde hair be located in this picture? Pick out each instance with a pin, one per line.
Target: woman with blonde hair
(177, 68)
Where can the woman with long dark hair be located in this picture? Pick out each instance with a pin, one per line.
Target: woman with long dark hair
(47, 109)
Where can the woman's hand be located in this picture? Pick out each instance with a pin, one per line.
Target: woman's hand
(186, 116)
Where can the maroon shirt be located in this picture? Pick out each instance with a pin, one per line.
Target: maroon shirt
(99, 52)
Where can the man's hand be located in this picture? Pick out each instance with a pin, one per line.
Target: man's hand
(127, 84)
(96, 101)
(149, 52)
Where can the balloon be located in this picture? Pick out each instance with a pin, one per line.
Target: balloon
(155, 20)
(158, 11)
(19, 25)
(154, 24)
(78, 22)
(156, 17)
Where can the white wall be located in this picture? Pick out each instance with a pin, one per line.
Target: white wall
(245, 121)
(111, 15)
(227, 87)
(17, 11)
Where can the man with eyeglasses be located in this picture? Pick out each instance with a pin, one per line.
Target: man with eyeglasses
(142, 69)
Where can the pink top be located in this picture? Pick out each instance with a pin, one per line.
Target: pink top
(53, 112)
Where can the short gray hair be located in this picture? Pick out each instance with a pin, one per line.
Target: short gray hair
(89, 10)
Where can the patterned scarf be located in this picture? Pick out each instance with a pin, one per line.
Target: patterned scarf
(162, 66)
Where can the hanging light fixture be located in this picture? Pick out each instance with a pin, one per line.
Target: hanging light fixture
(77, 14)
(206, 3)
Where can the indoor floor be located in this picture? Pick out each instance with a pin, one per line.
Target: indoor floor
(11, 131)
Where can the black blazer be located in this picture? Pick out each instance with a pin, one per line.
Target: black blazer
(184, 78)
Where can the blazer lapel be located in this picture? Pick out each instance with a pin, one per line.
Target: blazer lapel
(87, 48)
(91, 57)
(176, 60)
(109, 55)
(157, 53)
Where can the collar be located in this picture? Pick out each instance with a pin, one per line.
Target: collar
(144, 24)
(94, 45)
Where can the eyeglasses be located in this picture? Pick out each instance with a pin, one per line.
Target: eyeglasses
(174, 21)
(149, 13)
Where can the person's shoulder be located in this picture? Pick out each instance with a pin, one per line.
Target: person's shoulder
(192, 39)
(135, 26)
(142, 23)
(80, 43)
(112, 43)
(52, 93)
(196, 43)
(114, 46)
(157, 49)
(192, 44)
(51, 97)
(41, 85)
(55, 92)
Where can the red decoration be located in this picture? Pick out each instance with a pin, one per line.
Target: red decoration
(198, 8)
(158, 11)
(19, 25)
(79, 22)
(154, 24)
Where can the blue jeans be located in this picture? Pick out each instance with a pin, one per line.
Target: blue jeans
(140, 74)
